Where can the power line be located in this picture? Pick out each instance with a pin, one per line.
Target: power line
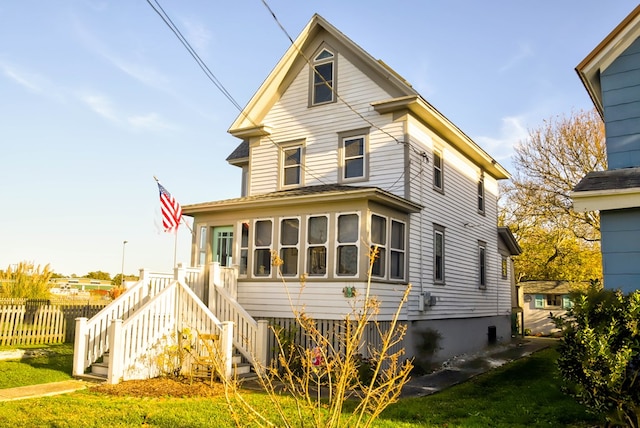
(417, 150)
(211, 76)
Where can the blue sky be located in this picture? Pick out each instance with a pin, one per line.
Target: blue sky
(97, 97)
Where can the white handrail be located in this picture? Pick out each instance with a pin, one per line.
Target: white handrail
(176, 308)
(249, 335)
(92, 336)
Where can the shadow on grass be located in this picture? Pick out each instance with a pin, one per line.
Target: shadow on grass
(45, 364)
(526, 392)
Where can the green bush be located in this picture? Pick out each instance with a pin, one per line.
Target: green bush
(600, 354)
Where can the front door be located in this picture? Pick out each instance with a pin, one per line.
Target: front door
(223, 245)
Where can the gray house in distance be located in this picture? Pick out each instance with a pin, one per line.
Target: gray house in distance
(611, 75)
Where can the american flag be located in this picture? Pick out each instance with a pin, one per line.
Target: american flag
(171, 210)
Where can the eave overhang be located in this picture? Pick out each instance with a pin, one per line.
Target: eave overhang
(251, 131)
(605, 53)
(293, 198)
(509, 240)
(605, 200)
(440, 124)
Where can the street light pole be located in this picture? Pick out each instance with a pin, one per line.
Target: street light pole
(122, 271)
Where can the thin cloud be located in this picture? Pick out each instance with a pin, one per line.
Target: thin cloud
(524, 51)
(512, 132)
(197, 35)
(30, 81)
(101, 105)
(151, 121)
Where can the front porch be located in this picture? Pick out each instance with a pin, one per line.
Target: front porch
(157, 313)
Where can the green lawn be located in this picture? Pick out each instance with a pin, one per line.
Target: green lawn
(54, 365)
(525, 393)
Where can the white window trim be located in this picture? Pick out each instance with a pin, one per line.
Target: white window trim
(356, 244)
(202, 244)
(440, 168)
(342, 169)
(312, 85)
(397, 250)
(387, 233)
(480, 198)
(255, 247)
(439, 230)
(297, 246)
(238, 245)
(482, 282)
(326, 246)
(281, 162)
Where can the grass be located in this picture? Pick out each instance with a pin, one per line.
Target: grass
(55, 364)
(524, 393)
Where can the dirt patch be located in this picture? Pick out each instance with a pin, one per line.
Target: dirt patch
(161, 387)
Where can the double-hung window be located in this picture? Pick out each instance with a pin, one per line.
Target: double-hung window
(292, 165)
(438, 254)
(481, 194)
(317, 232)
(353, 155)
(244, 248)
(289, 239)
(438, 176)
(323, 78)
(379, 239)
(347, 245)
(263, 247)
(202, 246)
(482, 265)
(397, 251)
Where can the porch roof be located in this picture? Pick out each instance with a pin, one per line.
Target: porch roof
(327, 192)
(547, 287)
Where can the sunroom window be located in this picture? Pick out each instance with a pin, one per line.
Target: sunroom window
(262, 248)
(397, 250)
(347, 248)
(323, 78)
(289, 232)
(379, 239)
(317, 246)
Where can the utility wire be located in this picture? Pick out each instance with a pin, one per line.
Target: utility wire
(416, 150)
(155, 5)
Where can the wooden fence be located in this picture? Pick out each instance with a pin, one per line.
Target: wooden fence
(40, 322)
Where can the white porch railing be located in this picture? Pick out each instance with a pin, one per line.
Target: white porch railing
(150, 302)
(92, 336)
(249, 336)
(161, 321)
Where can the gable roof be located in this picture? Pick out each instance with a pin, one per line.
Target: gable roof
(605, 53)
(249, 122)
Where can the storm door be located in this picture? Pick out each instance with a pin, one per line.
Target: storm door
(223, 245)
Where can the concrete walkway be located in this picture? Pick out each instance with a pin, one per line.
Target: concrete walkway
(455, 371)
(463, 368)
(41, 390)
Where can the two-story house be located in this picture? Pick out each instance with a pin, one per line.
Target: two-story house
(611, 75)
(340, 154)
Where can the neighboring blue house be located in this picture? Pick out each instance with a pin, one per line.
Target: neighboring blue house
(611, 75)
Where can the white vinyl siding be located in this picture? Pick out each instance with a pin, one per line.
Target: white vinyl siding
(457, 211)
(321, 151)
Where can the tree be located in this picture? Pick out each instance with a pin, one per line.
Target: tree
(99, 275)
(537, 203)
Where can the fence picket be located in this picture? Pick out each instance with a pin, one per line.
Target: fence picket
(42, 324)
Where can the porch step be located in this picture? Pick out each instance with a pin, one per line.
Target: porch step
(101, 369)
